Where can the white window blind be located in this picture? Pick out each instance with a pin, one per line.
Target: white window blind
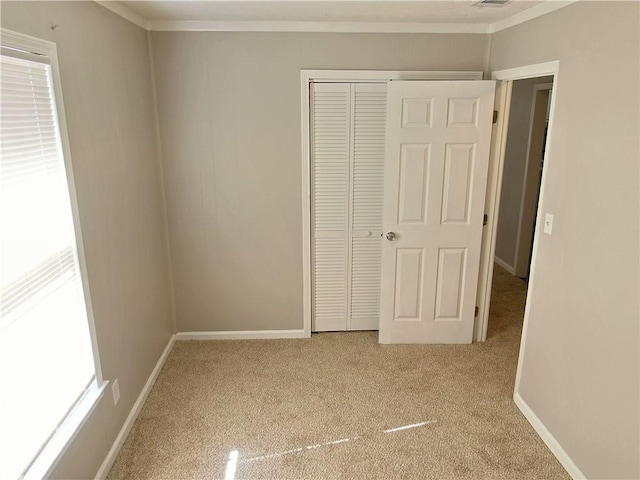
(46, 358)
(348, 149)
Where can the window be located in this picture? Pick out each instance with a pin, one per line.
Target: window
(47, 365)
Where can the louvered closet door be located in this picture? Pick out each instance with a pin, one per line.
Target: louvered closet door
(367, 196)
(348, 147)
(330, 119)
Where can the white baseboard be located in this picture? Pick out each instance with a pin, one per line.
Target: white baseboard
(103, 471)
(548, 439)
(241, 335)
(504, 265)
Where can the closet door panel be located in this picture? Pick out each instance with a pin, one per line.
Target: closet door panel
(367, 190)
(331, 124)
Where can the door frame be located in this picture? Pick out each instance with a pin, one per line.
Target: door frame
(492, 203)
(338, 76)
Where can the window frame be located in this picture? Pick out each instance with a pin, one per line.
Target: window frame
(60, 440)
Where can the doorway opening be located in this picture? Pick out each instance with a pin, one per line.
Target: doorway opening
(537, 114)
(522, 165)
(522, 174)
(526, 129)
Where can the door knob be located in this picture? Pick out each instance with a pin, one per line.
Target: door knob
(391, 236)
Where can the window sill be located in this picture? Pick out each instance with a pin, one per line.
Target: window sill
(57, 446)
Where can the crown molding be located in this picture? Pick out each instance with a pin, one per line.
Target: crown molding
(316, 27)
(332, 27)
(534, 12)
(125, 12)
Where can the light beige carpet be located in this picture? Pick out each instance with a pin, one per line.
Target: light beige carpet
(334, 407)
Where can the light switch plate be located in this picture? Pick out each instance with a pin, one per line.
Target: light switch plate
(548, 223)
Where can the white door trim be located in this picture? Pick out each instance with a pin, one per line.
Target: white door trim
(306, 78)
(502, 105)
(486, 276)
(494, 189)
(527, 71)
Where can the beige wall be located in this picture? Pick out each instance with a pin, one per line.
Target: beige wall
(230, 127)
(514, 168)
(581, 363)
(105, 72)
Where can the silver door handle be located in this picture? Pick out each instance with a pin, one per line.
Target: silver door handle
(391, 236)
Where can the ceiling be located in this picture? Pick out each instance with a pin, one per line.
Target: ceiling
(331, 15)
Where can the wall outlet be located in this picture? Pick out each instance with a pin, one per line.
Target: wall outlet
(548, 223)
(115, 390)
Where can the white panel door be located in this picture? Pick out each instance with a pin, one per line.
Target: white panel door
(438, 139)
